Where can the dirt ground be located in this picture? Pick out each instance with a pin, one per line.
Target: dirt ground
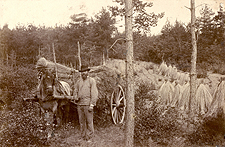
(69, 136)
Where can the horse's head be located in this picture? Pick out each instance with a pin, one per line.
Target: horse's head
(48, 80)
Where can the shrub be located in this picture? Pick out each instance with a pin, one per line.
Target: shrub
(202, 70)
(22, 127)
(143, 93)
(18, 82)
(218, 68)
(210, 132)
(20, 124)
(158, 123)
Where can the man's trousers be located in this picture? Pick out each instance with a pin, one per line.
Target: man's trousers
(86, 122)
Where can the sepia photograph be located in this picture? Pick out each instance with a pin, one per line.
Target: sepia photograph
(112, 73)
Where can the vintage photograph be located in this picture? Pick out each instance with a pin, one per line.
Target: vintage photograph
(112, 73)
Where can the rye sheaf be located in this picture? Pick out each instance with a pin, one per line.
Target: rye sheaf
(172, 86)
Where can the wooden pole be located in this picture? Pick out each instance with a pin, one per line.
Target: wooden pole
(7, 59)
(56, 72)
(79, 59)
(39, 51)
(193, 75)
(103, 59)
(129, 126)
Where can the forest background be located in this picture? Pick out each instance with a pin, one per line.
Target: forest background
(23, 44)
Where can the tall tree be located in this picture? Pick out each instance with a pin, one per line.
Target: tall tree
(129, 128)
(103, 28)
(25, 43)
(205, 25)
(5, 37)
(173, 45)
(143, 21)
(193, 75)
(219, 21)
(79, 27)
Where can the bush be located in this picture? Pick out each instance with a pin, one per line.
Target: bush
(20, 124)
(158, 123)
(142, 94)
(18, 82)
(218, 68)
(22, 127)
(202, 70)
(210, 132)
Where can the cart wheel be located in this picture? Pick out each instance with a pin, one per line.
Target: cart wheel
(118, 105)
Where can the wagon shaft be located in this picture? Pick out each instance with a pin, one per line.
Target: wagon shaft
(62, 97)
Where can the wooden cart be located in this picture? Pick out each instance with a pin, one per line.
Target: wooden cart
(117, 100)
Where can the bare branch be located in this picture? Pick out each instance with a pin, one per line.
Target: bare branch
(114, 50)
(196, 6)
(201, 5)
(187, 7)
(115, 43)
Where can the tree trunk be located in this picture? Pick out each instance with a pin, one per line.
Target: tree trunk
(79, 59)
(129, 126)
(106, 52)
(193, 75)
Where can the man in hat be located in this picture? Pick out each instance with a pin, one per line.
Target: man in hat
(86, 95)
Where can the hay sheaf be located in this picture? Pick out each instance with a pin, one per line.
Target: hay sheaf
(169, 72)
(117, 64)
(176, 94)
(172, 72)
(165, 94)
(218, 101)
(144, 72)
(183, 103)
(163, 69)
(183, 78)
(200, 104)
(203, 99)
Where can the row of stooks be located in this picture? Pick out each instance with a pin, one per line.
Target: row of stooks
(175, 92)
(172, 73)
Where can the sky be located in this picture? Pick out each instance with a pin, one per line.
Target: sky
(52, 12)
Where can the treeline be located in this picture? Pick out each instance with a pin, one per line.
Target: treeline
(173, 45)
(24, 44)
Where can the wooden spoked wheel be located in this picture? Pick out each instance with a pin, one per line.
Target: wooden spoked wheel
(118, 105)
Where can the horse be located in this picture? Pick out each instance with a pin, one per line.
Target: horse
(48, 87)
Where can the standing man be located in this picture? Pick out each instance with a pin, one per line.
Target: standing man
(86, 95)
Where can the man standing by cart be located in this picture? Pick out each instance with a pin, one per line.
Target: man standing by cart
(86, 95)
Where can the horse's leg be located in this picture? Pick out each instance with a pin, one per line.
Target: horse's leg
(67, 111)
(55, 111)
(48, 118)
(65, 108)
(54, 120)
(40, 113)
(60, 116)
(61, 112)
(49, 124)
